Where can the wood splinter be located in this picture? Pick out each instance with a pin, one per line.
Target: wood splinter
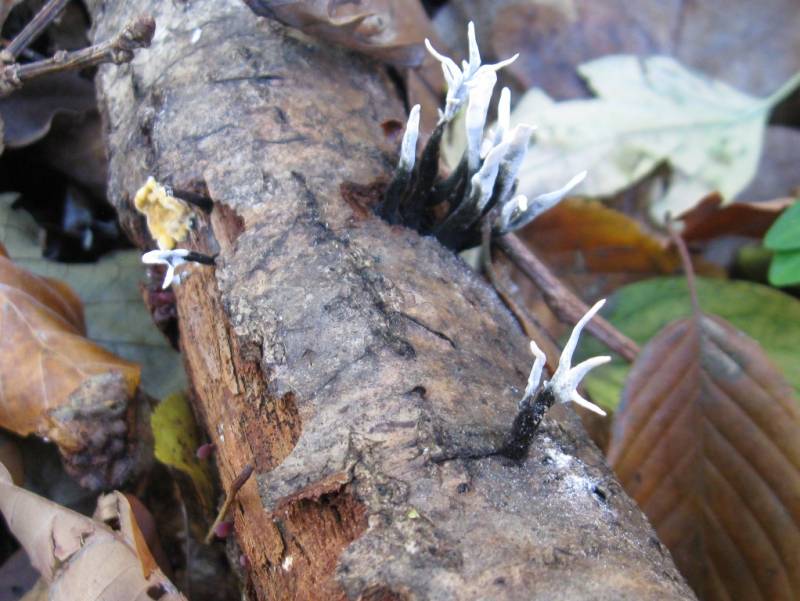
(240, 480)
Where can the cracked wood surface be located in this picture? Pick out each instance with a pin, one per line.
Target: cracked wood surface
(340, 355)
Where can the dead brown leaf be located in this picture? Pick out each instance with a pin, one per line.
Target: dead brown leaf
(58, 384)
(45, 355)
(709, 219)
(389, 30)
(707, 441)
(28, 113)
(84, 558)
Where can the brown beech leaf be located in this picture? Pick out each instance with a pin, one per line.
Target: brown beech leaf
(82, 558)
(44, 355)
(389, 30)
(709, 219)
(707, 441)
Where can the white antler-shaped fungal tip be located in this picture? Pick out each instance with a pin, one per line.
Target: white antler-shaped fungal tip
(461, 81)
(535, 376)
(480, 96)
(408, 148)
(565, 362)
(579, 400)
(474, 52)
(566, 378)
(503, 114)
(170, 258)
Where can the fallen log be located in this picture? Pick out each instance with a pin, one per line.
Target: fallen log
(354, 364)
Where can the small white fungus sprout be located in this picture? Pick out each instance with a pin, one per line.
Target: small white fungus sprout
(408, 148)
(565, 380)
(170, 258)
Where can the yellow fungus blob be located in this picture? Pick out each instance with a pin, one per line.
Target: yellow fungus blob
(168, 218)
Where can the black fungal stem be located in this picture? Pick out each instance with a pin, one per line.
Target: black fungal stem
(526, 423)
(389, 209)
(197, 257)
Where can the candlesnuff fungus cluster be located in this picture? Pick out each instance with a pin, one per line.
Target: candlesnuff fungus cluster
(561, 388)
(483, 184)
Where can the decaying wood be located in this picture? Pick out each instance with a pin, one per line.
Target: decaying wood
(339, 355)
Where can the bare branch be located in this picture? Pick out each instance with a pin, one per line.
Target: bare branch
(118, 50)
(33, 30)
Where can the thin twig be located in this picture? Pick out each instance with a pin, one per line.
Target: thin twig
(530, 325)
(118, 50)
(563, 302)
(33, 30)
(688, 269)
(243, 476)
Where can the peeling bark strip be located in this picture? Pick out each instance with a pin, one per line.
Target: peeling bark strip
(338, 354)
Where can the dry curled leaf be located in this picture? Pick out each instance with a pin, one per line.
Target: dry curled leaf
(45, 356)
(707, 441)
(56, 383)
(648, 111)
(29, 112)
(84, 558)
(709, 219)
(390, 30)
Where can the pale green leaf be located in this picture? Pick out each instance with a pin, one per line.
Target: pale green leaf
(647, 111)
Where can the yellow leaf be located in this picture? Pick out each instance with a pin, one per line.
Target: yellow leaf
(176, 441)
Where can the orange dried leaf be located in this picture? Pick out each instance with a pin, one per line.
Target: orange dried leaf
(80, 557)
(707, 441)
(44, 356)
(594, 249)
(588, 235)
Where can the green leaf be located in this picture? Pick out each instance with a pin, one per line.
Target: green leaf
(116, 316)
(176, 442)
(785, 268)
(785, 232)
(642, 309)
(647, 111)
(784, 238)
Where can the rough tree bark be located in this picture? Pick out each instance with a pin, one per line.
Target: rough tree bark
(352, 362)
